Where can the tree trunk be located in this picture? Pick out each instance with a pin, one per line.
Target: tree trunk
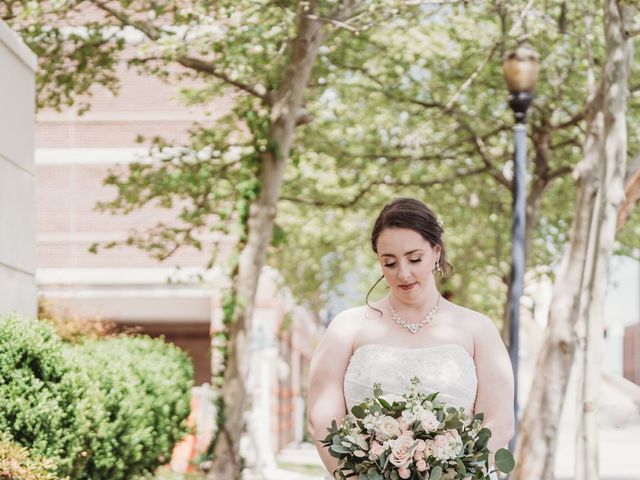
(285, 108)
(538, 432)
(601, 238)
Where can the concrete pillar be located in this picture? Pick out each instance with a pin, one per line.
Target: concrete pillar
(17, 176)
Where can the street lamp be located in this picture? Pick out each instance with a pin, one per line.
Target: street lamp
(520, 67)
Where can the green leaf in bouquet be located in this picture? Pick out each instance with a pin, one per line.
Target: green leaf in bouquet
(375, 408)
(382, 461)
(339, 449)
(335, 454)
(377, 391)
(384, 403)
(454, 423)
(334, 425)
(337, 440)
(483, 438)
(461, 468)
(504, 460)
(479, 416)
(436, 473)
(432, 396)
(374, 474)
(358, 411)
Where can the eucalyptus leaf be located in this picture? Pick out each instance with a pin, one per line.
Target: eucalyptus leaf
(504, 460)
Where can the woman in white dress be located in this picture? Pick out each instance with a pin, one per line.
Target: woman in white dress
(413, 331)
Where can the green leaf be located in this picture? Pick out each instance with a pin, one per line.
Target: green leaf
(339, 448)
(504, 460)
(436, 473)
(358, 412)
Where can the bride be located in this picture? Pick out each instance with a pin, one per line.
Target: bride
(413, 331)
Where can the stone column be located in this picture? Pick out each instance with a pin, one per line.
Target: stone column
(17, 176)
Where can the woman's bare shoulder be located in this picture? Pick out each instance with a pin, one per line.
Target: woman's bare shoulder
(473, 321)
(349, 318)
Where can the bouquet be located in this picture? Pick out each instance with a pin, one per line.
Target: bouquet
(413, 436)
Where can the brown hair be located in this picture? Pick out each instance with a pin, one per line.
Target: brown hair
(414, 215)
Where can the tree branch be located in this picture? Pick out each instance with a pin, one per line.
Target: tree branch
(208, 67)
(473, 76)
(150, 31)
(393, 183)
(197, 64)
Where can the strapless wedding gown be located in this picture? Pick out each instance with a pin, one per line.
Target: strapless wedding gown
(448, 369)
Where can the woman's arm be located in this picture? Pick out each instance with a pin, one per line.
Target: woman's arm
(326, 376)
(495, 383)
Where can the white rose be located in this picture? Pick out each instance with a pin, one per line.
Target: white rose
(428, 420)
(388, 427)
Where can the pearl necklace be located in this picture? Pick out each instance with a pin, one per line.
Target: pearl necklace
(414, 327)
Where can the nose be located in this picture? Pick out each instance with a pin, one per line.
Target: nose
(403, 272)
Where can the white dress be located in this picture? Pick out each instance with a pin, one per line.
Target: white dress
(448, 369)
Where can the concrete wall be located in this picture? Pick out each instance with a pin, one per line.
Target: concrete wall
(17, 175)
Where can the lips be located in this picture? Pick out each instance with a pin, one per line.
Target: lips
(408, 286)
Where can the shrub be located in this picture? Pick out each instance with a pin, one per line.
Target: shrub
(17, 464)
(71, 327)
(100, 409)
(39, 393)
(143, 387)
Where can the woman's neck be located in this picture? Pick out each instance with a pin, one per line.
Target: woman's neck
(420, 304)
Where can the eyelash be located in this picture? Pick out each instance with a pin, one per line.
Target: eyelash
(394, 263)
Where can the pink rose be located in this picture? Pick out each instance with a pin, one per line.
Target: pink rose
(417, 456)
(442, 441)
(404, 472)
(375, 451)
(421, 465)
(402, 423)
(420, 445)
(402, 450)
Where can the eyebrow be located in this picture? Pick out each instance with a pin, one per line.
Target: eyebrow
(408, 253)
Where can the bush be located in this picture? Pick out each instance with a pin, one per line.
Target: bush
(143, 385)
(100, 409)
(71, 327)
(40, 395)
(17, 464)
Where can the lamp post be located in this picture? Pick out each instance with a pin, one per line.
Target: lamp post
(520, 67)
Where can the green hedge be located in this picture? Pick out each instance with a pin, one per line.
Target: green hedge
(17, 464)
(101, 409)
(143, 387)
(41, 394)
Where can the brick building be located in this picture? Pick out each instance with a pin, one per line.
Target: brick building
(73, 155)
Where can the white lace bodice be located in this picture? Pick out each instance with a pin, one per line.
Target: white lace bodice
(447, 368)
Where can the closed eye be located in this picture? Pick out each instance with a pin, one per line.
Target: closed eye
(393, 264)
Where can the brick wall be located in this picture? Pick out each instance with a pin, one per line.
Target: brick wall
(632, 353)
